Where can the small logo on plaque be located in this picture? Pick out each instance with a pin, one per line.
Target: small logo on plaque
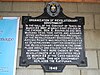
(53, 9)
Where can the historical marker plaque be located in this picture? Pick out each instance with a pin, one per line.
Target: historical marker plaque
(53, 40)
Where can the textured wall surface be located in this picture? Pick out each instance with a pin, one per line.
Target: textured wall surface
(91, 12)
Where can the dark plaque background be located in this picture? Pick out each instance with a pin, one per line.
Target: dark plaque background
(53, 40)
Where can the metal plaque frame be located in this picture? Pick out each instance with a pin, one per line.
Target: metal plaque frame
(53, 67)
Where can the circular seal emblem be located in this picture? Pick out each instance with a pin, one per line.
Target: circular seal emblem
(53, 9)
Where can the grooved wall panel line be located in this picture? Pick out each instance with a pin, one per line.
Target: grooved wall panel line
(95, 1)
